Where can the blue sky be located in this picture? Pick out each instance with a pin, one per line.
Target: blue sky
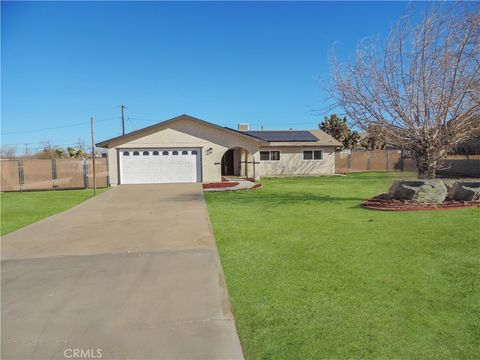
(265, 63)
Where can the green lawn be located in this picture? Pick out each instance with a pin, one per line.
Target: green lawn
(312, 275)
(22, 208)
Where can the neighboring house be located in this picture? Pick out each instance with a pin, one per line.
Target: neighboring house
(187, 149)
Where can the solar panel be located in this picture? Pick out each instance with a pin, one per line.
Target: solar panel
(287, 135)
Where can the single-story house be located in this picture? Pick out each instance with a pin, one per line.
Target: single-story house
(187, 149)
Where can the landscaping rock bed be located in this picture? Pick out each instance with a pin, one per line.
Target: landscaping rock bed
(382, 202)
(423, 191)
(431, 194)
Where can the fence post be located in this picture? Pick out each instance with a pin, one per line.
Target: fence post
(349, 161)
(369, 160)
(85, 173)
(21, 175)
(388, 159)
(54, 174)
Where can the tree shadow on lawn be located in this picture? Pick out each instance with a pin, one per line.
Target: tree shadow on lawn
(278, 199)
(353, 176)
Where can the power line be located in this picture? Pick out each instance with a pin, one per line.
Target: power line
(133, 118)
(53, 145)
(129, 119)
(57, 127)
(39, 143)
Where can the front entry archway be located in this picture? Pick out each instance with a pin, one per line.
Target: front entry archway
(228, 163)
(239, 162)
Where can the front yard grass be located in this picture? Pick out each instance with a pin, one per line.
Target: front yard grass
(311, 275)
(23, 208)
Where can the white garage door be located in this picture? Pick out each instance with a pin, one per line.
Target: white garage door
(152, 166)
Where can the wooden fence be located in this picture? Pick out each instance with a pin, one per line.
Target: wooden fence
(393, 160)
(51, 174)
(372, 160)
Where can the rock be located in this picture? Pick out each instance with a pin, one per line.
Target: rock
(434, 192)
(449, 183)
(465, 191)
(422, 191)
(404, 189)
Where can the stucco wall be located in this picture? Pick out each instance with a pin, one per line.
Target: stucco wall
(243, 163)
(187, 133)
(291, 162)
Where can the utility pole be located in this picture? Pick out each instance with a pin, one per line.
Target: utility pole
(93, 157)
(123, 119)
(26, 149)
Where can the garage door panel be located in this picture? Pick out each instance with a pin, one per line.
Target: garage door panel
(162, 168)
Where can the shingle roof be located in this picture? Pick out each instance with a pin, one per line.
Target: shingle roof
(325, 139)
(278, 137)
(145, 130)
(283, 135)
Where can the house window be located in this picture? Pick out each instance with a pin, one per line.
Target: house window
(146, 153)
(312, 154)
(165, 153)
(270, 155)
(264, 155)
(184, 152)
(155, 153)
(174, 152)
(275, 155)
(136, 153)
(126, 153)
(307, 155)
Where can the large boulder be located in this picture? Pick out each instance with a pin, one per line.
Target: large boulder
(464, 190)
(423, 191)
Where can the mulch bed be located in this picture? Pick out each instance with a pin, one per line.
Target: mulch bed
(219, 185)
(380, 203)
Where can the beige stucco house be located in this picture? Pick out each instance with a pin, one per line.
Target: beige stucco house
(187, 149)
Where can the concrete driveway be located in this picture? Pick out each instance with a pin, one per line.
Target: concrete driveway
(131, 274)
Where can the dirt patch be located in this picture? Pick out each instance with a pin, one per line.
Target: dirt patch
(219, 185)
(381, 203)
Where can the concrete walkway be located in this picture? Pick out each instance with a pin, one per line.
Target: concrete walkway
(242, 185)
(132, 274)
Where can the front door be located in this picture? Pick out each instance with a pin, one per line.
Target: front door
(227, 163)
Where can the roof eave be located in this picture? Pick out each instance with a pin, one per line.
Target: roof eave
(302, 144)
(105, 143)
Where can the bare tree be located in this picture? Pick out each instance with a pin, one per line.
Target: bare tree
(81, 144)
(8, 152)
(420, 91)
(49, 151)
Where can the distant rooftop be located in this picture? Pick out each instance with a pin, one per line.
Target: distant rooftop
(283, 135)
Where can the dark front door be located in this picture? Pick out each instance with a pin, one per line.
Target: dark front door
(227, 163)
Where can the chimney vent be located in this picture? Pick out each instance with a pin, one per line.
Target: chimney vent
(243, 127)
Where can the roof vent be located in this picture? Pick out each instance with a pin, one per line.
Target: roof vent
(243, 127)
